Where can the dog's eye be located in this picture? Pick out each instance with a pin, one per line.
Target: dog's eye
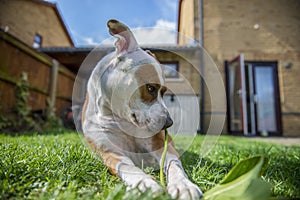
(151, 89)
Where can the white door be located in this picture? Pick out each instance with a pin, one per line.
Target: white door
(237, 95)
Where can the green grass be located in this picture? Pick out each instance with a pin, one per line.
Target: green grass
(62, 167)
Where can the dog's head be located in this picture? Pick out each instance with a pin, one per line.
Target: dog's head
(134, 83)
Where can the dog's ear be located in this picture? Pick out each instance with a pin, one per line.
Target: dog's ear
(125, 39)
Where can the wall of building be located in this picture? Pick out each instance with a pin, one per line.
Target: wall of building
(263, 31)
(187, 22)
(24, 19)
(188, 82)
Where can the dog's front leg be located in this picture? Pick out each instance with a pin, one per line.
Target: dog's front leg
(133, 176)
(178, 184)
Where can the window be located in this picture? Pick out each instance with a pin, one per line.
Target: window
(37, 41)
(170, 70)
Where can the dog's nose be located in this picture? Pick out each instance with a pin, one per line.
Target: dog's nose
(169, 122)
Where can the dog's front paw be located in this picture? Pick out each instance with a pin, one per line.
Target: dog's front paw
(147, 183)
(184, 189)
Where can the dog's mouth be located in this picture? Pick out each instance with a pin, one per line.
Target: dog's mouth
(140, 124)
(134, 119)
(136, 122)
(152, 125)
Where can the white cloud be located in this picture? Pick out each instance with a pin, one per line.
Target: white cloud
(89, 41)
(155, 36)
(163, 33)
(84, 40)
(165, 24)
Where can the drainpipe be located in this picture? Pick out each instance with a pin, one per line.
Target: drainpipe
(202, 89)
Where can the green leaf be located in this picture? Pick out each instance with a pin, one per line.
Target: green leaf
(246, 166)
(242, 182)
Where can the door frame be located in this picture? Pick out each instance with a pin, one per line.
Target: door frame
(274, 65)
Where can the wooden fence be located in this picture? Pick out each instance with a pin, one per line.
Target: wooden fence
(49, 81)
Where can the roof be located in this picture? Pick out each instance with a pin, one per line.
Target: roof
(111, 48)
(60, 18)
(72, 57)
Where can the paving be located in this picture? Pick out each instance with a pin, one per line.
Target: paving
(279, 140)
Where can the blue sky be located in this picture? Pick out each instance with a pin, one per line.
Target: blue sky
(86, 19)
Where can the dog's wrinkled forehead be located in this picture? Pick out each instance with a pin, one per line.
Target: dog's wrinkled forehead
(148, 74)
(149, 71)
(145, 67)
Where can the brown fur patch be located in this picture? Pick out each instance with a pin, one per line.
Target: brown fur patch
(84, 107)
(110, 159)
(158, 143)
(146, 76)
(116, 27)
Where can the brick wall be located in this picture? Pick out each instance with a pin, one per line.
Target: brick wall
(25, 18)
(263, 31)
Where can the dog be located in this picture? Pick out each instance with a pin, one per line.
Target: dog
(124, 117)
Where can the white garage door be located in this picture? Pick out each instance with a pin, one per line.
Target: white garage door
(184, 110)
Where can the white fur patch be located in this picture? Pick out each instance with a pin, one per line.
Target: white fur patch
(134, 177)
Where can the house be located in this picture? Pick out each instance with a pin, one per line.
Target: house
(26, 25)
(35, 22)
(256, 48)
(244, 77)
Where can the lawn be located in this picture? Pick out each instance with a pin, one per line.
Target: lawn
(60, 166)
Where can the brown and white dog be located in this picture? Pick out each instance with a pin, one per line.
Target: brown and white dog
(124, 117)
